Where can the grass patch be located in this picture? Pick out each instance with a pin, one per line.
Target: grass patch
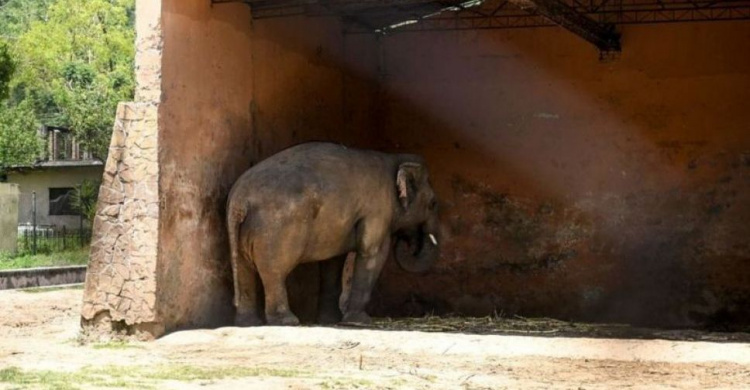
(337, 384)
(191, 373)
(116, 345)
(140, 377)
(58, 380)
(71, 257)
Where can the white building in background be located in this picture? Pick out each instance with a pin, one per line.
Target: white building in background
(53, 179)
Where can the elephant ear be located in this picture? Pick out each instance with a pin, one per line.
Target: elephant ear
(406, 182)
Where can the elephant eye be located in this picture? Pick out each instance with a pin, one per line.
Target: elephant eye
(433, 204)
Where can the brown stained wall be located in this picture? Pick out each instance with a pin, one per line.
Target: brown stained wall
(311, 83)
(233, 94)
(574, 188)
(204, 134)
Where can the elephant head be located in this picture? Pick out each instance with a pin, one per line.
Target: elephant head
(417, 239)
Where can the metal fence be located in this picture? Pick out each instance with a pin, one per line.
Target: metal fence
(52, 240)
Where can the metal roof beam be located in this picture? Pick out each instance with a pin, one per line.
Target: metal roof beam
(603, 36)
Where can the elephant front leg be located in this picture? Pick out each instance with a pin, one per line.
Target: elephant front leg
(330, 290)
(367, 267)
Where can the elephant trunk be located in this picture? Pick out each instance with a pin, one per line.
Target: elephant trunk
(417, 250)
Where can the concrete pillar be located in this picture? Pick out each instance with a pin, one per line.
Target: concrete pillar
(53, 145)
(8, 217)
(74, 145)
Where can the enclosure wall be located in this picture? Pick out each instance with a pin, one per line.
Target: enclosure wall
(575, 188)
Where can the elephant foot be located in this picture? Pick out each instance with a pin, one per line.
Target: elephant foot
(357, 318)
(287, 319)
(329, 317)
(249, 318)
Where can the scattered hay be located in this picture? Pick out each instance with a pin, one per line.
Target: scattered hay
(521, 326)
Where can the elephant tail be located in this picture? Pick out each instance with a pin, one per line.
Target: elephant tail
(235, 217)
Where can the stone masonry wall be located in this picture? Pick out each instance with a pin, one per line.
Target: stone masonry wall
(121, 281)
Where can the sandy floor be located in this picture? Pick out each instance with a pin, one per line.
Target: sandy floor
(39, 332)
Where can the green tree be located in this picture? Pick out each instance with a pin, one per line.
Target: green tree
(7, 68)
(74, 66)
(84, 199)
(16, 16)
(19, 143)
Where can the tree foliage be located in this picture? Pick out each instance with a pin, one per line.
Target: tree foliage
(17, 15)
(84, 199)
(73, 62)
(19, 143)
(7, 68)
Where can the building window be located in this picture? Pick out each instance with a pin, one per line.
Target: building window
(60, 201)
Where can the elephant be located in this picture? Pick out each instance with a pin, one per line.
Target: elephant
(317, 202)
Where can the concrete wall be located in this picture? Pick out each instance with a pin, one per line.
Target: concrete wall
(578, 189)
(41, 277)
(204, 127)
(8, 217)
(234, 93)
(41, 180)
(312, 83)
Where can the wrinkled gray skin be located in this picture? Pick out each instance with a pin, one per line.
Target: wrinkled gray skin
(318, 202)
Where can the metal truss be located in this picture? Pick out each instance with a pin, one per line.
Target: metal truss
(498, 14)
(602, 35)
(593, 20)
(504, 14)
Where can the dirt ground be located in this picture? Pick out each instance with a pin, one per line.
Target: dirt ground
(40, 348)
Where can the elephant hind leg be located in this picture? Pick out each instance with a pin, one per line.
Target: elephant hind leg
(277, 302)
(331, 270)
(248, 292)
(275, 259)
